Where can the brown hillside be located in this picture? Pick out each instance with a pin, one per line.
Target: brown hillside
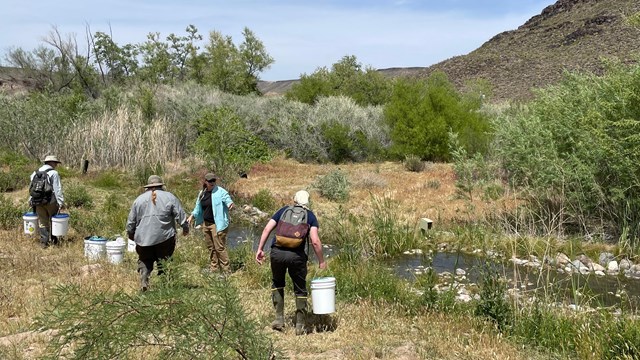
(568, 35)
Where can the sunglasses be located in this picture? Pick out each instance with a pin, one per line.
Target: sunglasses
(211, 181)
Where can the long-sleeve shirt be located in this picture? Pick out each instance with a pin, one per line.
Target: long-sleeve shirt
(54, 177)
(220, 204)
(150, 224)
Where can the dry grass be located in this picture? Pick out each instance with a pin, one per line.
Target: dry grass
(414, 191)
(361, 331)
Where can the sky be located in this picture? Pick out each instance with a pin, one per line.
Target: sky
(301, 36)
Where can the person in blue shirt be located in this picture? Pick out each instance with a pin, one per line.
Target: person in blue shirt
(294, 260)
(212, 209)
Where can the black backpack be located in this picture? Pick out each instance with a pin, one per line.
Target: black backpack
(292, 228)
(41, 188)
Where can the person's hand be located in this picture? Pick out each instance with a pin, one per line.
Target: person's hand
(190, 219)
(259, 256)
(322, 265)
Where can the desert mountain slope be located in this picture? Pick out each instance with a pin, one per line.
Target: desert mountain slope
(568, 35)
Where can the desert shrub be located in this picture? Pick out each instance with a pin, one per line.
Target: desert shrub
(413, 163)
(76, 195)
(333, 186)
(10, 215)
(204, 313)
(264, 201)
(339, 143)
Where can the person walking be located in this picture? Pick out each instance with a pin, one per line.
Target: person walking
(294, 226)
(212, 208)
(152, 225)
(46, 197)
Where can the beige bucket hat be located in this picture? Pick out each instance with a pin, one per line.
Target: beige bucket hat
(51, 158)
(153, 181)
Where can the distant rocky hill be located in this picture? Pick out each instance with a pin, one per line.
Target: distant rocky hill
(568, 35)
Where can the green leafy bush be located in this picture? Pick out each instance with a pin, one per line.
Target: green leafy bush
(76, 195)
(421, 113)
(574, 149)
(333, 186)
(10, 215)
(264, 201)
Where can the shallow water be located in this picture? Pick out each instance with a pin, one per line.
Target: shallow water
(577, 289)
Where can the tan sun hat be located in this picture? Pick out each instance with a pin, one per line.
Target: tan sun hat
(154, 180)
(51, 158)
(211, 177)
(301, 198)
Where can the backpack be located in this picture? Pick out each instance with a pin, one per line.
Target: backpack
(41, 188)
(292, 228)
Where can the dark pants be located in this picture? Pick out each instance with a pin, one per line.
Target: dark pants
(292, 261)
(147, 255)
(45, 213)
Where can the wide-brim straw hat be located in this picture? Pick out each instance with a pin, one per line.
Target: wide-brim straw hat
(51, 158)
(154, 181)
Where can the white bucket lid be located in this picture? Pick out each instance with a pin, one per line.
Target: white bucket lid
(323, 280)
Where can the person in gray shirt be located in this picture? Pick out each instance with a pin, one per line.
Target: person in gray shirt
(152, 225)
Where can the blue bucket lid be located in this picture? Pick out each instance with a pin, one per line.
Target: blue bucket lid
(29, 213)
(59, 216)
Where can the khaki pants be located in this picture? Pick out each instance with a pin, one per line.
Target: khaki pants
(45, 213)
(217, 244)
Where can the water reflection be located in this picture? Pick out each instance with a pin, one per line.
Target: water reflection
(573, 288)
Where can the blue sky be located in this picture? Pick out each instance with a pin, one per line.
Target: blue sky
(300, 36)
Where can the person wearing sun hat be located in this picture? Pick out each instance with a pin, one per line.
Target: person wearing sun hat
(212, 210)
(152, 225)
(291, 258)
(47, 208)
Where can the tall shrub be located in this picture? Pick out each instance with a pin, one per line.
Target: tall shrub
(577, 145)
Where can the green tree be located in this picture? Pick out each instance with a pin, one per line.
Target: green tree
(226, 144)
(346, 77)
(420, 115)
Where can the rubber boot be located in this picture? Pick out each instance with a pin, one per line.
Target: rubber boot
(277, 295)
(44, 237)
(301, 314)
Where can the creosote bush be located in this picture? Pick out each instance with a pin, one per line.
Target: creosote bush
(183, 316)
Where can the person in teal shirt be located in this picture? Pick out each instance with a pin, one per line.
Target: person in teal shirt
(212, 211)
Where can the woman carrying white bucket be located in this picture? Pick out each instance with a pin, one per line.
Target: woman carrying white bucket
(294, 225)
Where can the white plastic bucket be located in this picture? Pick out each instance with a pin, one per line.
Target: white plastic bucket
(30, 223)
(115, 250)
(59, 224)
(94, 247)
(131, 245)
(323, 295)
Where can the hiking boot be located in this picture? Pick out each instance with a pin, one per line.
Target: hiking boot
(144, 277)
(277, 296)
(301, 314)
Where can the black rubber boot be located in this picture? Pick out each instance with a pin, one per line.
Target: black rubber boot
(301, 314)
(277, 295)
